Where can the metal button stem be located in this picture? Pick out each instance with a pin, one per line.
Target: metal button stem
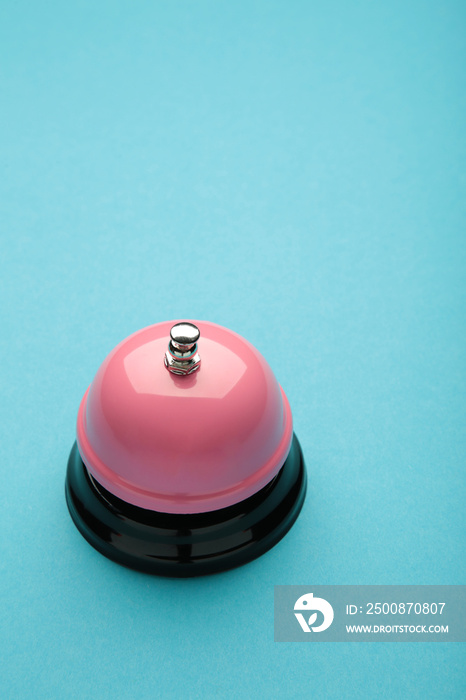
(182, 356)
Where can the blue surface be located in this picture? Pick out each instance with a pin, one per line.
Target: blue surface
(294, 171)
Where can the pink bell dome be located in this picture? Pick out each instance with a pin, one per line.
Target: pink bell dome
(184, 444)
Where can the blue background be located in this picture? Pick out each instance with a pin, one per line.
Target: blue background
(293, 171)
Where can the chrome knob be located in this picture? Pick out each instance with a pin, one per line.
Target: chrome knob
(182, 356)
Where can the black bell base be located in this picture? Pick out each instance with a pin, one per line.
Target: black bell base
(175, 545)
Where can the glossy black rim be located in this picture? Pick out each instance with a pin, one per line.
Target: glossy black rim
(185, 545)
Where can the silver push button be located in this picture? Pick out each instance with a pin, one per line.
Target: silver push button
(182, 356)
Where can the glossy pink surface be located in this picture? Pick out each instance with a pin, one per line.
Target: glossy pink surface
(184, 444)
